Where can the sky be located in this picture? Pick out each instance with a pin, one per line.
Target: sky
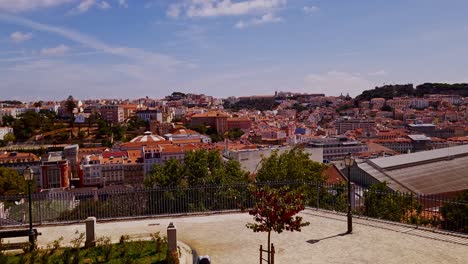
(50, 49)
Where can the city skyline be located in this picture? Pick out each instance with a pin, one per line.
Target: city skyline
(121, 49)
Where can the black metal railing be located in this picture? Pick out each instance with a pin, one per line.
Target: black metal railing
(433, 211)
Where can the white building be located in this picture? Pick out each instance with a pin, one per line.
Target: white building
(150, 114)
(92, 170)
(419, 103)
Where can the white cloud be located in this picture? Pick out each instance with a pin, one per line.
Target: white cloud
(336, 82)
(18, 37)
(216, 8)
(123, 3)
(174, 10)
(25, 5)
(55, 51)
(86, 5)
(265, 19)
(144, 57)
(104, 5)
(310, 9)
(82, 7)
(377, 73)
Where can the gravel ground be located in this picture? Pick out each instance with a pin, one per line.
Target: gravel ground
(226, 239)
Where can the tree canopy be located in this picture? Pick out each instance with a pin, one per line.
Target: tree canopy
(292, 165)
(455, 213)
(9, 137)
(381, 202)
(275, 210)
(200, 167)
(387, 92)
(31, 123)
(261, 104)
(398, 90)
(11, 183)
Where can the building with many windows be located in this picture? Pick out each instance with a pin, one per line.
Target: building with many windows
(112, 113)
(337, 148)
(55, 171)
(216, 120)
(150, 115)
(347, 124)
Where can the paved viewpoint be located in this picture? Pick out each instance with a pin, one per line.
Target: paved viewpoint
(226, 239)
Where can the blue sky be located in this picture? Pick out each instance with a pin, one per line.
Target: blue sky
(135, 48)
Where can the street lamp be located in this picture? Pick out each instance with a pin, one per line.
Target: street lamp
(349, 161)
(29, 177)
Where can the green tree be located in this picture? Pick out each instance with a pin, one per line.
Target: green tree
(234, 173)
(8, 120)
(234, 134)
(104, 129)
(156, 177)
(134, 124)
(199, 168)
(9, 137)
(168, 175)
(275, 210)
(292, 165)
(298, 107)
(11, 183)
(202, 129)
(386, 108)
(27, 125)
(455, 213)
(106, 143)
(70, 105)
(381, 202)
(118, 132)
(196, 167)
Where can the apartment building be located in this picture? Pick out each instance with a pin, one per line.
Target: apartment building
(337, 148)
(347, 124)
(55, 171)
(112, 113)
(217, 120)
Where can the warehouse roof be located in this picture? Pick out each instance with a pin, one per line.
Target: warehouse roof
(428, 172)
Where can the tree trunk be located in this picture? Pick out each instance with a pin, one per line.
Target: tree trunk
(269, 233)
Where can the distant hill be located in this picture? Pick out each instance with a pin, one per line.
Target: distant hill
(442, 88)
(387, 92)
(260, 103)
(11, 102)
(398, 90)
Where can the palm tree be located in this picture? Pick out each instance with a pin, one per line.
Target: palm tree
(70, 105)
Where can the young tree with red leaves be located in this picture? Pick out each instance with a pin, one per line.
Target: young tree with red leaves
(275, 210)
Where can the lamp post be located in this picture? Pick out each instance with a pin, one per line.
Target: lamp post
(29, 176)
(349, 161)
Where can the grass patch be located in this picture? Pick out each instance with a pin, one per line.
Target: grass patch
(125, 252)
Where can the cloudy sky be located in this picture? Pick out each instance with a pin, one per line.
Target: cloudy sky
(135, 48)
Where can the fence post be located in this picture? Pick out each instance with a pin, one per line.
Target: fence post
(39, 201)
(261, 253)
(318, 196)
(172, 237)
(272, 254)
(90, 231)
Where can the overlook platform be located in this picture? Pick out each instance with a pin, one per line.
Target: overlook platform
(226, 239)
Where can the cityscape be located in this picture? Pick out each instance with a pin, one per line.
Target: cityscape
(145, 169)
